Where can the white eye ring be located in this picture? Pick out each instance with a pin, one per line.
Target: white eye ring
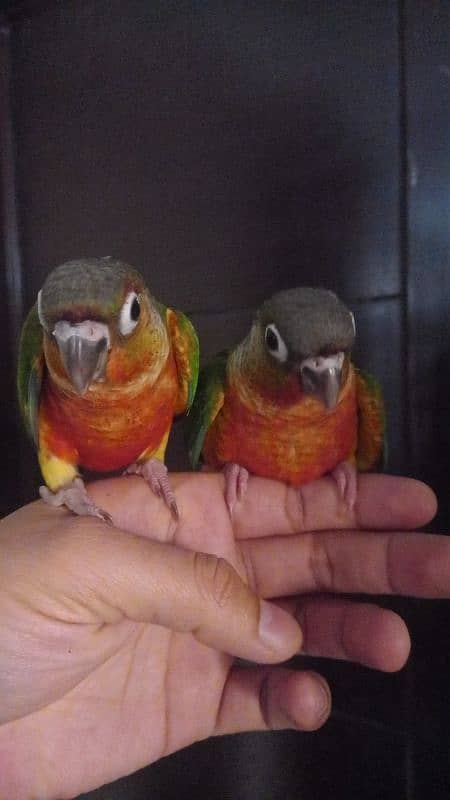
(129, 314)
(275, 344)
(352, 316)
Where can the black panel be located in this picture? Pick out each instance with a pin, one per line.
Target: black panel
(228, 149)
(367, 765)
(10, 295)
(428, 110)
(379, 350)
(428, 120)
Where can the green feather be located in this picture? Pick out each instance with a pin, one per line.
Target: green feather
(29, 372)
(372, 418)
(207, 404)
(186, 350)
(190, 339)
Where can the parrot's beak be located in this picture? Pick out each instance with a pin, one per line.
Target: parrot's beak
(83, 347)
(322, 378)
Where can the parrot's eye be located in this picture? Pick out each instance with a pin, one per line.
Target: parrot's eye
(275, 343)
(129, 314)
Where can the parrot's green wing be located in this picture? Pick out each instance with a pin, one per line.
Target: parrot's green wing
(30, 371)
(207, 404)
(186, 351)
(372, 447)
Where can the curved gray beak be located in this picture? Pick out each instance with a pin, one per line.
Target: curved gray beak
(84, 351)
(322, 377)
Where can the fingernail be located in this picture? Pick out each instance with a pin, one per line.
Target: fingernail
(276, 629)
(321, 703)
(315, 705)
(312, 705)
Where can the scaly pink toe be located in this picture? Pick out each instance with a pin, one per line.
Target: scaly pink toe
(346, 478)
(75, 497)
(236, 481)
(156, 475)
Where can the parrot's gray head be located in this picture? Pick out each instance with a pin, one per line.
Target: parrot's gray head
(82, 305)
(86, 288)
(310, 331)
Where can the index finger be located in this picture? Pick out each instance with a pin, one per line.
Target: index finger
(384, 502)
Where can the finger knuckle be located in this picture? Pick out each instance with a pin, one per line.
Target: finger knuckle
(321, 566)
(215, 578)
(295, 508)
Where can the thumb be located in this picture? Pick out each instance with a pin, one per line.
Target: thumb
(115, 574)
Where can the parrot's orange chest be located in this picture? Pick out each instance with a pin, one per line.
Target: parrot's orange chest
(295, 443)
(110, 426)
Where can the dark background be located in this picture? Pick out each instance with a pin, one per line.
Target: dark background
(229, 149)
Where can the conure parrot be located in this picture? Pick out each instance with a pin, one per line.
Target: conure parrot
(287, 402)
(103, 369)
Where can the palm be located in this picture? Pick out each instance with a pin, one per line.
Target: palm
(134, 690)
(180, 703)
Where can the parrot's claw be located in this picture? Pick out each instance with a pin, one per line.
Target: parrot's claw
(75, 497)
(236, 481)
(155, 473)
(346, 479)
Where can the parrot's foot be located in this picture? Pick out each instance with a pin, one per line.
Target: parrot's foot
(76, 498)
(155, 473)
(346, 479)
(236, 480)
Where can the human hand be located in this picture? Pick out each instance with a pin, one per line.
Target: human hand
(115, 641)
